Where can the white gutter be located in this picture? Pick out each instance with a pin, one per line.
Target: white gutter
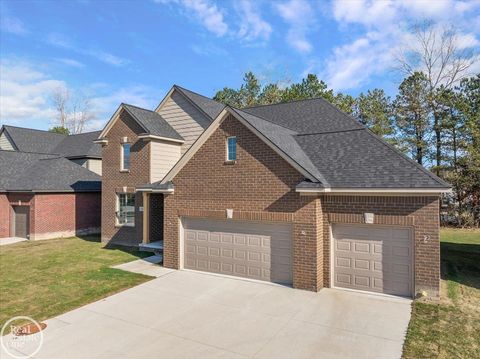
(152, 137)
(374, 190)
(151, 190)
(102, 142)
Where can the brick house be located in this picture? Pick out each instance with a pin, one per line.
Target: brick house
(296, 193)
(46, 188)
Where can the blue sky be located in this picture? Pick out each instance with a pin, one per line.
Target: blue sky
(134, 51)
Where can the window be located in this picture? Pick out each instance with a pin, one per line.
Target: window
(125, 160)
(126, 209)
(231, 149)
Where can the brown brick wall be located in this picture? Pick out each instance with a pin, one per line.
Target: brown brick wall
(54, 214)
(259, 186)
(113, 179)
(418, 213)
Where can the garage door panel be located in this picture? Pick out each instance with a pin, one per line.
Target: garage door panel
(248, 249)
(373, 258)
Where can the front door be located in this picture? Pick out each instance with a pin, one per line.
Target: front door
(21, 224)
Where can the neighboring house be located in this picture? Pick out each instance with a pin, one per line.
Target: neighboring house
(77, 148)
(43, 192)
(296, 193)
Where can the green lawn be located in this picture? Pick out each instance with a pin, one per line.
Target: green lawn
(42, 279)
(450, 328)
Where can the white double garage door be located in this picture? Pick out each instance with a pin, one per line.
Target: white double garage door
(364, 257)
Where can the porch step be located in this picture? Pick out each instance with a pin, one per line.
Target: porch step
(155, 247)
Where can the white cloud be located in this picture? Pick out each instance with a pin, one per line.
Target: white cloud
(299, 15)
(105, 105)
(252, 26)
(13, 25)
(389, 12)
(208, 49)
(386, 32)
(26, 89)
(364, 12)
(62, 41)
(24, 93)
(71, 62)
(205, 11)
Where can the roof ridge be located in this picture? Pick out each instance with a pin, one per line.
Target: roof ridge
(286, 102)
(312, 99)
(196, 93)
(263, 118)
(140, 108)
(194, 103)
(328, 132)
(34, 129)
(31, 152)
(84, 133)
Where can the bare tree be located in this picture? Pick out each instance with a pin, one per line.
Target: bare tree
(439, 55)
(60, 97)
(73, 112)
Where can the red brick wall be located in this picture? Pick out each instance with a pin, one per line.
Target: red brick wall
(65, 212)
(4, 216)
(259, 186)
(54, 214)
(113, 180)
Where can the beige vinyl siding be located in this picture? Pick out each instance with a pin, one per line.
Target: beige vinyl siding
(5, 143)
(163, 157)
(185, 118)
(90, 164)
(95, 166)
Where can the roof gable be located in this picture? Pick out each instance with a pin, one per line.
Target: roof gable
(31, 140)
(248, 123)
(150, 121)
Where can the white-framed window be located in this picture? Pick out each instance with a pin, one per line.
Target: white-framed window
(231, 148)
(125, 157)
(125, 213)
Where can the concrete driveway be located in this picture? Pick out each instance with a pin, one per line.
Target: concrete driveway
(186, 314)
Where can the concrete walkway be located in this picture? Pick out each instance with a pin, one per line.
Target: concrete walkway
(11, 240)
(183, 314)
(148, 266)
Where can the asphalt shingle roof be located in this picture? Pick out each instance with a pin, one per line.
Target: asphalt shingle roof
(152, 122)
(284, 139)
(38, 141)
(335, 148)
(211, 107)
(40, 172)
(80, 145)
(359, 159)
(30, 140)
(307, 116)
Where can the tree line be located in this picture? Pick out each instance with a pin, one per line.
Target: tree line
(438, 127)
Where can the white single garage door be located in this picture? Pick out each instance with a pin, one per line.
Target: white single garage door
(256, 250)
(373, 258)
